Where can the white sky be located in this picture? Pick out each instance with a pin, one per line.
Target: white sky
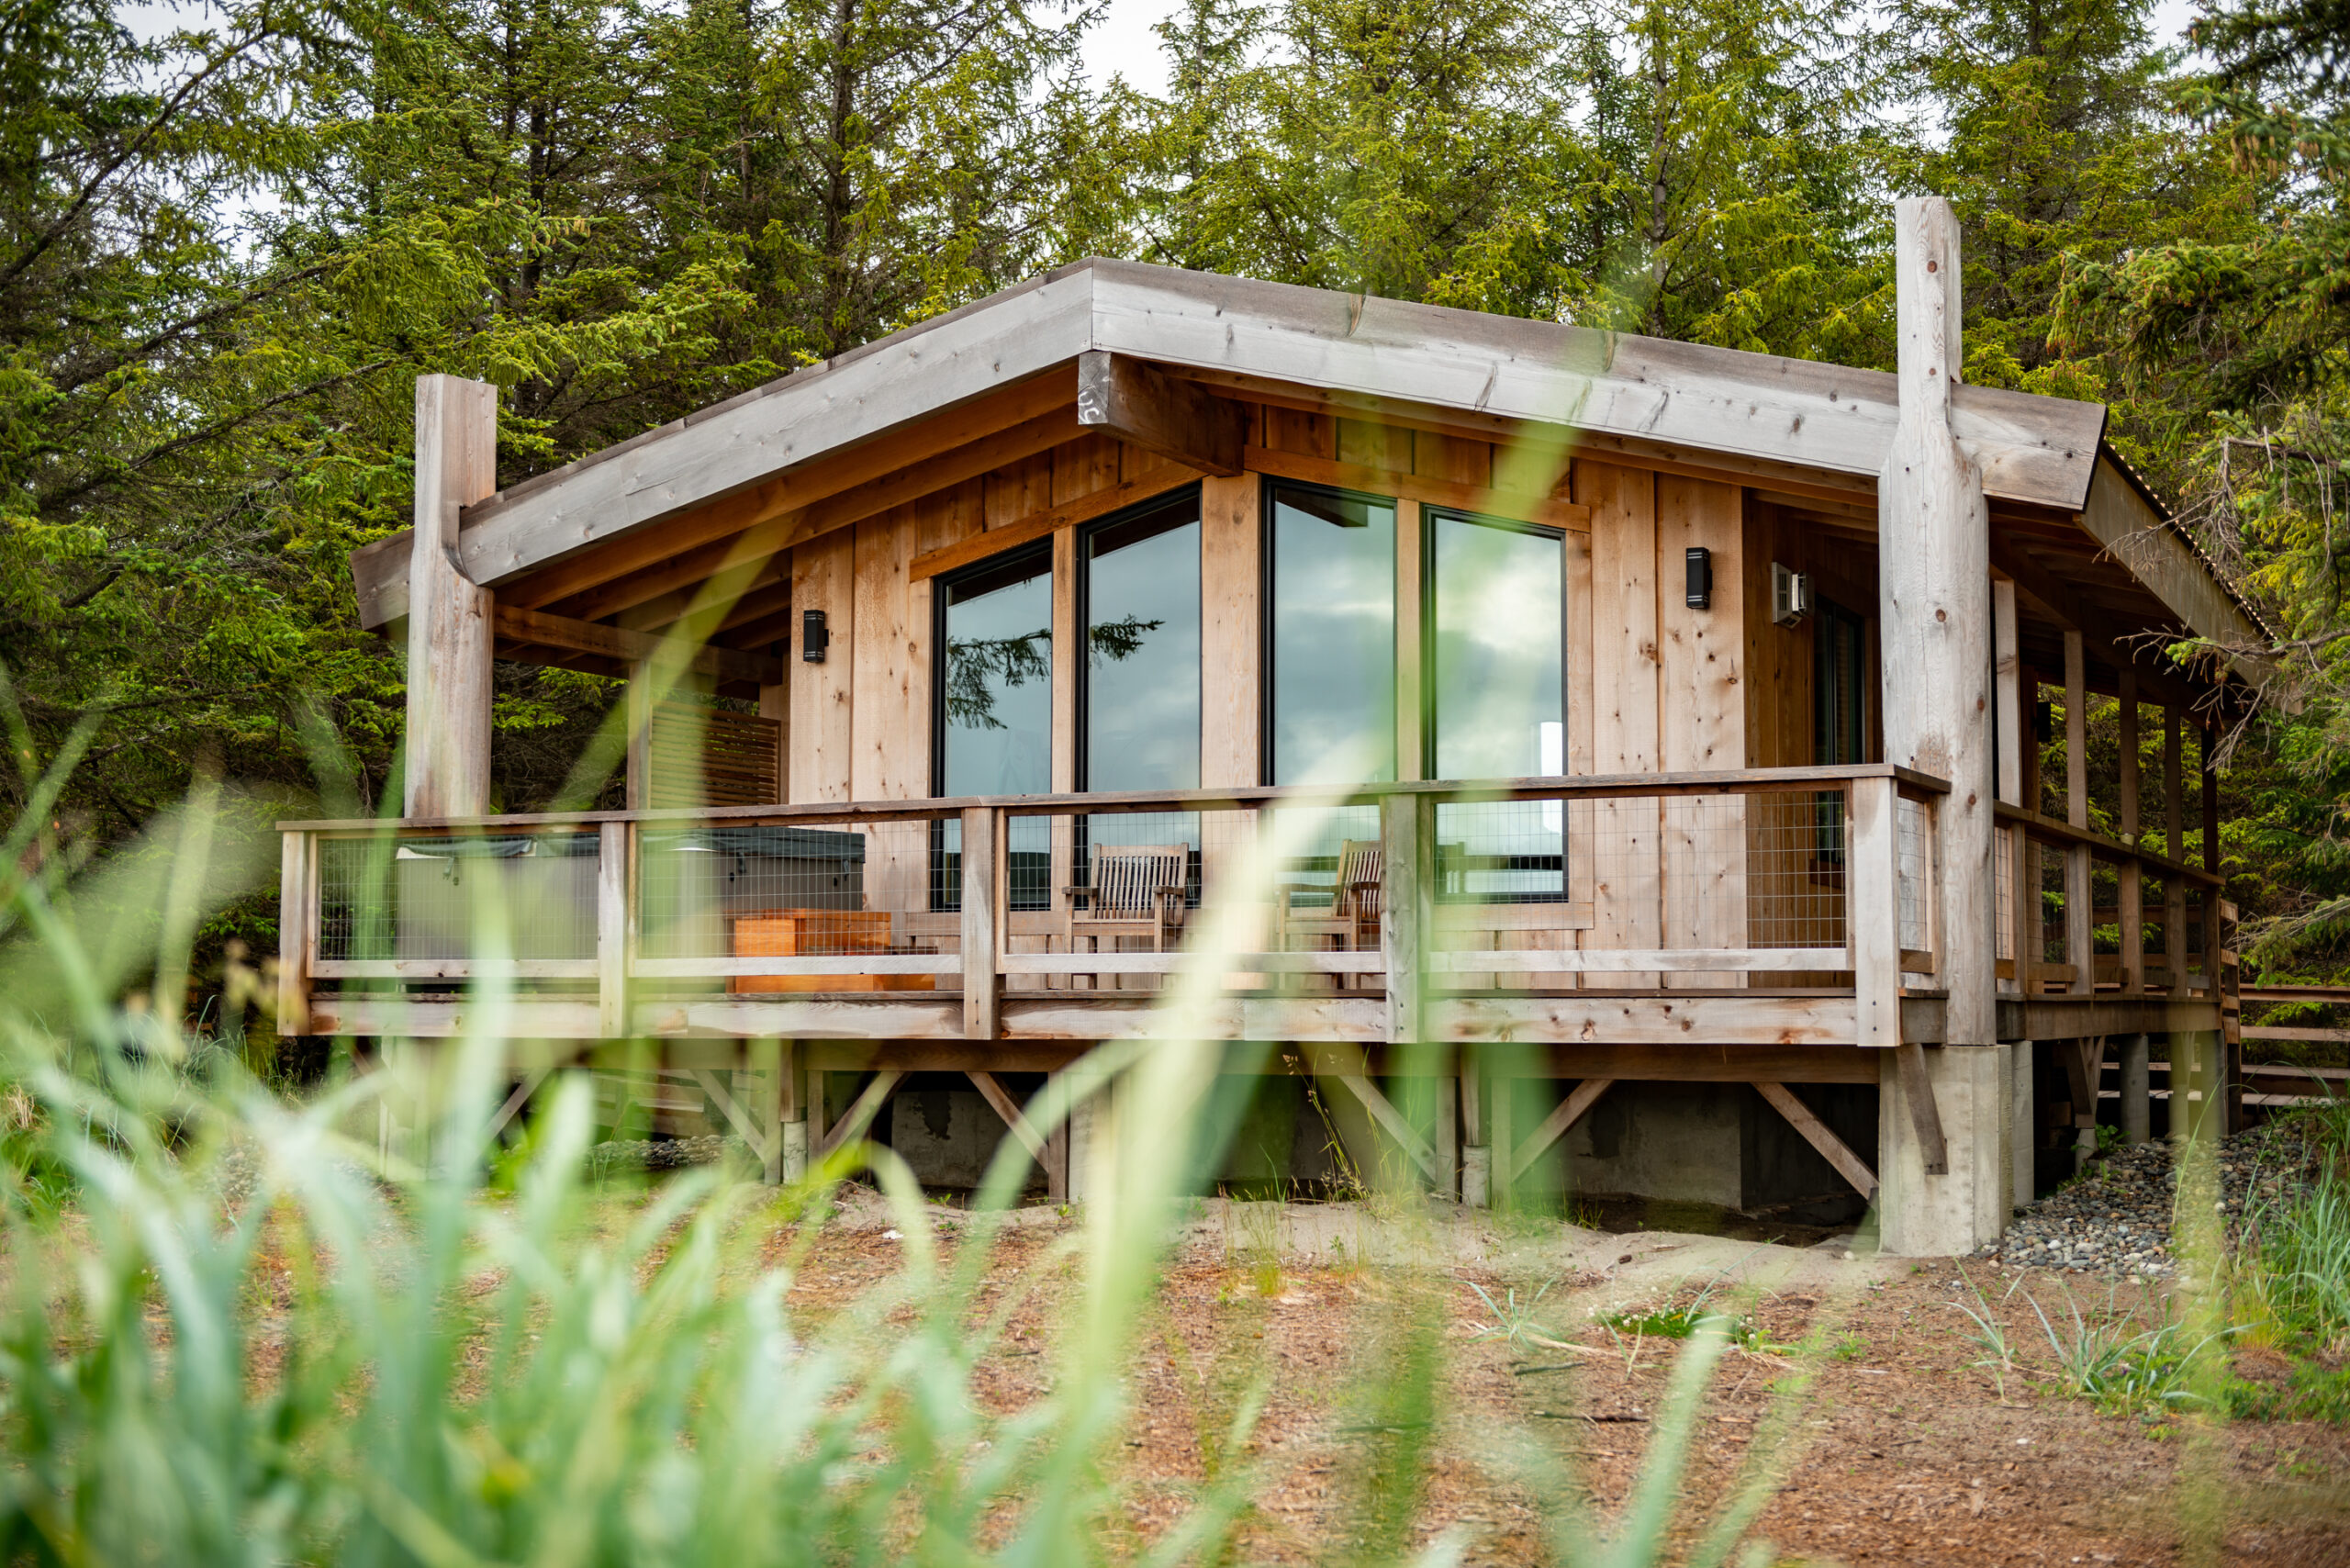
(1123, 45)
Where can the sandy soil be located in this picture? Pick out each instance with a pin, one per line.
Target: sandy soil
(1882, 1443)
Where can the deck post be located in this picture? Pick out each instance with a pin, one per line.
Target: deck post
(982, 883)
(611, 929)
(298, 929)
(2080, 919)
(1476, 1154)
(450, 617)
(2137, 1090)
(2131, 895)
(1407, 826)
(1935, 607)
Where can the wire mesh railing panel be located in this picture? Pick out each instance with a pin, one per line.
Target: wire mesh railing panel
(449, 897)
(1913, 872)
(802, 890)
(2003, 895)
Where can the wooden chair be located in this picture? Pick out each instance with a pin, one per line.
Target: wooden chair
(1137, 889)
(1351, 922)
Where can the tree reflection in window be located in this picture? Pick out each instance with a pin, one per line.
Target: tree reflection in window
(976, 667)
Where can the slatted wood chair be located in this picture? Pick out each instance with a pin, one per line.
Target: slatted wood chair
(1136, 890)
(1350, 923)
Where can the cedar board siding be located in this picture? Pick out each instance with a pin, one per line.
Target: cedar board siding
(1654, 684)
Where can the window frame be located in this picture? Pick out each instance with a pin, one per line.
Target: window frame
(940, 587)
(1269, 491)
(1430, 515)
(1081, 612)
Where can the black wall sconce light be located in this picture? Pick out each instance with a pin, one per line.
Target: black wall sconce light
(1700, 560)
(814, 638)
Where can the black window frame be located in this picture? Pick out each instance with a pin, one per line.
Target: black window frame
(946, 865)
(1080, 722)
(1269, 496)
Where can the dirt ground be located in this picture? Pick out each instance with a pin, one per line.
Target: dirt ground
(1878, 1436)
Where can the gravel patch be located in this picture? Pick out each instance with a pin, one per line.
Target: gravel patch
(2116, 1217)
(663, 1154)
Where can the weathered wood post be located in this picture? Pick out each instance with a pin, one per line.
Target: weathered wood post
(1934, 593)
(449, 616)
(2015, 735)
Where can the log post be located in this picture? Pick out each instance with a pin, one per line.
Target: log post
(450, 617)
(2175, 847)
(611, 929)
(1935, 606)
(2137, 1089)
(1476, 1154)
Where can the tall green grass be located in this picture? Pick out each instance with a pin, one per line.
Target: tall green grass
(232, 1332)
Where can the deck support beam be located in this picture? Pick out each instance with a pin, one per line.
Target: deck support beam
(451, 619)
(1817, 1134)
(1582, 1098)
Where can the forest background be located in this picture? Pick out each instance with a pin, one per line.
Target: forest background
(230, 237)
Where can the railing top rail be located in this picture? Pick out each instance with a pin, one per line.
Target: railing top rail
(2106, 847)
(1728, 781)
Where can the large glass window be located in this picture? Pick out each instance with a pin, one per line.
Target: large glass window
(1331, 637)
(1142, 650)
(1497, 682)
(1140, 686)
(994, 709)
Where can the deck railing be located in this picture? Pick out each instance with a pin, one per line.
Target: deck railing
(2100, 916)
(1808, 880)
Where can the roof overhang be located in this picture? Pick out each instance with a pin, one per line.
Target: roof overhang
(1561, 389)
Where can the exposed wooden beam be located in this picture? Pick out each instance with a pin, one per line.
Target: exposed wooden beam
(1817, 1134)
(540, 629)
(2121, 521)
(1554, 1126)
(1925, 1115)
(1392, 1121)
(2073, 608)
(1523, 505)
(861, 1111)
(1140, 404)
(612, 555)
(1044, 525)
(1009, 1109)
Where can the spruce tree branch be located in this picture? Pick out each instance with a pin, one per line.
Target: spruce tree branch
(131, 150)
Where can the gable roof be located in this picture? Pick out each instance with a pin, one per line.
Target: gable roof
(1770, 419)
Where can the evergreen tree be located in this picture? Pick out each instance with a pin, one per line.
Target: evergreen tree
(1731, 192)
(2051, 127)
(1418, 150)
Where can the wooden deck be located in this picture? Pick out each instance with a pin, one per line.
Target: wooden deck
(1789, 937)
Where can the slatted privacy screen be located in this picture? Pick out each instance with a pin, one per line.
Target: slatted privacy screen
(711, 756)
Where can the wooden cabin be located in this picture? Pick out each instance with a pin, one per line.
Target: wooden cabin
(1585, 754)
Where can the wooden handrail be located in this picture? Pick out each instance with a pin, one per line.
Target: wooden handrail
(2101, 845)
(1728, 781)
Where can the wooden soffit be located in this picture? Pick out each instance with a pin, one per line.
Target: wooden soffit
(764, 459)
